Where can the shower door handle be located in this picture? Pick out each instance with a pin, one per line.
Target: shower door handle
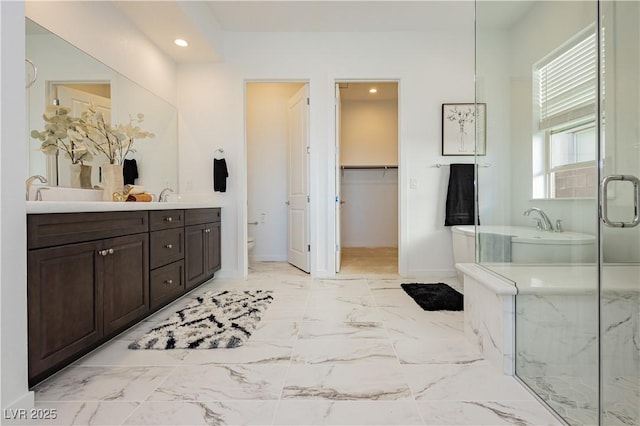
(604, 201)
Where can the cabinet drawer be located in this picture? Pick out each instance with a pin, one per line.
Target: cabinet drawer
(165, 219)
(54, 229)
(166, 283)
(198, 216)
(166, 246)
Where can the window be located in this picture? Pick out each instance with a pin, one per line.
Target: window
(564, 147)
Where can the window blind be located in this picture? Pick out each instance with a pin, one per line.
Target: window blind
(567, 84)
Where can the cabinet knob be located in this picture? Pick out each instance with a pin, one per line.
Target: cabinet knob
(110, 251)
(168, 219)
(169, 246)
(102, 252)
(207, 230)
(168, 282)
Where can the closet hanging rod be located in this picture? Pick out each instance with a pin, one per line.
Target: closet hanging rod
(368, 167)
(439, 165)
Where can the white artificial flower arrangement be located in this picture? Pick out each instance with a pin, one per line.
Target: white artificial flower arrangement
(61, 132)
(114, 142)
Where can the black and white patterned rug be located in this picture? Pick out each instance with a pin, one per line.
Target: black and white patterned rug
(216, 319)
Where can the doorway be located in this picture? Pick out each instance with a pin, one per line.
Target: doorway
(367, 177)
(77, 97)
(277, 173)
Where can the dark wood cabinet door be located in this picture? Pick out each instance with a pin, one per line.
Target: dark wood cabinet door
(64, 304)
(212, 236)
(125, 280)
(194, 255)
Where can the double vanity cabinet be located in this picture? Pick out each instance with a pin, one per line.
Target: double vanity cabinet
(93, 274)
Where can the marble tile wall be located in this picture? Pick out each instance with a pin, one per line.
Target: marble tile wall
(557, 353)
(488, 323)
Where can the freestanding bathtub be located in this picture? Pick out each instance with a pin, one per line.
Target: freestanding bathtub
(523, 245)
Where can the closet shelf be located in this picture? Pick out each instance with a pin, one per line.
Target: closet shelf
(344, 167)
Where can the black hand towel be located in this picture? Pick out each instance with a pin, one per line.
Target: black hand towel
(130, 171)
(220, 175)
(460, 195)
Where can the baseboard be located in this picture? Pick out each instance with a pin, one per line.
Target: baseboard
(444, 273)
(25, 402)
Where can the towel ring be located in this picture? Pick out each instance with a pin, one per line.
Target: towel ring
(35, 73)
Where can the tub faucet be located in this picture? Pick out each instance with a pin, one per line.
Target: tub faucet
(164, 194)
(546, 222)
(30, 181)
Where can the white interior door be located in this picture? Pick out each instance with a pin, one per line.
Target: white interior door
(298, 248)
(338, 200)
(79, 101)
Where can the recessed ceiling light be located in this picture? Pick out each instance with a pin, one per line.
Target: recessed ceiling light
(180, 42)
(373, 90)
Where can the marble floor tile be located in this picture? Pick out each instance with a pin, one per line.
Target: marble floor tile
(76, 413)
(102, 384)
(344, 287)
(478, 381)
(405, 313)
(276, 330)
(117, 353)
(332, 330)
(294, 412)
(251, 352)
(221, 382)
(390, 283)
(424, 330)
(344, 314)
(353, 350)
(346, 382)
(437, 351)
(320, 301)
(393, 298)
(203, 413)
(490, 413)
(343, 351)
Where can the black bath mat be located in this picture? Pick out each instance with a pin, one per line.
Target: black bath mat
(435, 297)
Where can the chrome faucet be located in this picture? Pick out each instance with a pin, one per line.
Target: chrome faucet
(30, 181)
(546, 222)
(164, 194)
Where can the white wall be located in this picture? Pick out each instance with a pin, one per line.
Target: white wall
(267, 131)
(87, 24)
(492, 88)
(13, 247)
(430, 72)
(529, 44)
(369, 132)
(370, 210)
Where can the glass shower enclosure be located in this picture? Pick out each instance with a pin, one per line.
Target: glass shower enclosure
(559, 207)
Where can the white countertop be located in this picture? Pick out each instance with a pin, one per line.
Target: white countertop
(40, 207)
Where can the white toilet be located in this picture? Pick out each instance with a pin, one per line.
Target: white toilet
(251, 243)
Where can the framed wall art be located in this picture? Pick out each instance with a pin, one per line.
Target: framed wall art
(459, 124)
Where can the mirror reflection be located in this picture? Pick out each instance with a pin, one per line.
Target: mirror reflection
(67, 77)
